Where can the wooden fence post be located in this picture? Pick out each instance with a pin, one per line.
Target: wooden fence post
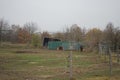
(110, 61)
(118, 55)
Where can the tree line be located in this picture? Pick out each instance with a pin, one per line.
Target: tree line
(27, 34)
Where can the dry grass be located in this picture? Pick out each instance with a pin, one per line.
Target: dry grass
(52, 65)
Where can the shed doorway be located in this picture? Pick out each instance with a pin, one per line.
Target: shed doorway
(60, 48)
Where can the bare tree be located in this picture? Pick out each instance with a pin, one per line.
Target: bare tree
(4, 26)
(14, 34)
(59, 35)
(109, 33)
(112, 36)
(30, 27)
(93, 37)
(74, 33)
(66, 34)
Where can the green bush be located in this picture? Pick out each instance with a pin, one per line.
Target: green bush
(36, 40)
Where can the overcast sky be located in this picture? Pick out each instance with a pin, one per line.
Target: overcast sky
(54, 15)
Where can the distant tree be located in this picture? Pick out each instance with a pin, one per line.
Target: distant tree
(23, 36)
(30, 27)
(45, 34)
(109, 33)
(59, 35)
(4, 26)
(74, 33)
(67, 36)
(14, 34)
(116, 38)
(36, 40)
(112, 36)
(93, 37)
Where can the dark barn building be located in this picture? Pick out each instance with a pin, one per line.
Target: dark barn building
(46, 40)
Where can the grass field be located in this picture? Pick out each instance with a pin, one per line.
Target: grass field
(43, 64)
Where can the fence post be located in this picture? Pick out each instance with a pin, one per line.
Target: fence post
(0, 37)
(110, 61)
(118, 55)
(71, 72)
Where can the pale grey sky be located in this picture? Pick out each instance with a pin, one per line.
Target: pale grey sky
(54, 15)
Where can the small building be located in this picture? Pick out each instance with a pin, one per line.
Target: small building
(64, 45)
(46, 40)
